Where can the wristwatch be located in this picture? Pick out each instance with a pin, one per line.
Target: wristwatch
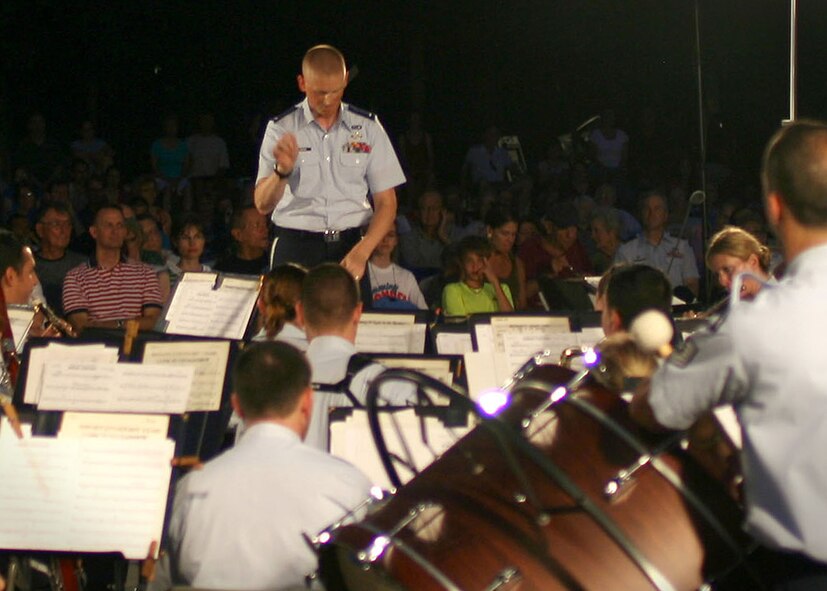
(280, 174)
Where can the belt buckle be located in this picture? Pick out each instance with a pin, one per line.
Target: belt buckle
(332, 235)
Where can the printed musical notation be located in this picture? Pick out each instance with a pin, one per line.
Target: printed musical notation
(83, 494)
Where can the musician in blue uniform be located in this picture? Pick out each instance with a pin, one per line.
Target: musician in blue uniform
(767, 360)
(327, 172)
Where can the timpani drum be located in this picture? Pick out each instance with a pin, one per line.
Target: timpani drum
(560, 491)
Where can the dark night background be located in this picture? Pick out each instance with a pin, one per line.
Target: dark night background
(535, 68)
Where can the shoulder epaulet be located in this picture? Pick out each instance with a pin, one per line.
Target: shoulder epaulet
(361, 112)
(284, 114)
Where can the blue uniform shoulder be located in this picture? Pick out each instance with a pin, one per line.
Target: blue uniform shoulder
(284, 114)
(361, 112)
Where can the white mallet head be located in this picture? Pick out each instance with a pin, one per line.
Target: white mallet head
(652, 331)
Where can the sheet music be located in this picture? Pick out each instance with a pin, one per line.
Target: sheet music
(57, 353)
(484, 334)
(123, 426)
(83, 495)
(209, 362)
(119, 387)
(589, 337)
(517, 338)
(390, 333)
(20, 318)
(439, 369)
(480, 373)
(200, 310)
(351, 440)
(453, 343)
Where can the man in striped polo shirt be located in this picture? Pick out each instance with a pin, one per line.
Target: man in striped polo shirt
(108, 290)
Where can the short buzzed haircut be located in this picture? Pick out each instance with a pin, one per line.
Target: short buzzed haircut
(636, 288)
(325, 60)
(795, 166)
(269, 378)
(237, 219)
(107, 207)
(330, 295)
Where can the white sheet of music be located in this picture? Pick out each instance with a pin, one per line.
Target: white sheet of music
(453, 343)
(590, 336)
(480, 372)
(119, 387)
(439, 369)
(200, 308)
(517, 338)
(209, 362)
(57, 353)
(20, 317)
(123, 426)
(390, 333)
(351, 440)
(83, 495)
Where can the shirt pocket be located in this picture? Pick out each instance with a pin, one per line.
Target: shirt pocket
(353, 166)
(310, 174)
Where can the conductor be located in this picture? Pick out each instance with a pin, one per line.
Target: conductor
(327, 172)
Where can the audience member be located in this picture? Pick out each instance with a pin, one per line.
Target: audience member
(610, 144)
(188, 239)
(479, 289)
(249, 232)
(605, 228)
(391, 286)
(171, 165)
(416, 154)
(54, 259)
(420, 250)
(207, 150)
(108, 290)
(656, 248)
(501, 230)
(41, 156)
(92, 149)
(606, 196)
(486, 163)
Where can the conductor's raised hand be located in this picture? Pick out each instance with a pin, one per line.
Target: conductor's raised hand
(286, 152)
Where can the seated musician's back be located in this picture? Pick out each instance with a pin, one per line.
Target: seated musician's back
(238, 522)
(330, 309)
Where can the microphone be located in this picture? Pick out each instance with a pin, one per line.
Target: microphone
(695, 198)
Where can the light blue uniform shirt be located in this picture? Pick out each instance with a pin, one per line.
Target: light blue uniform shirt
(641, 251)
(767, 359)
(239, 522)
(329, 357)
(335, 170)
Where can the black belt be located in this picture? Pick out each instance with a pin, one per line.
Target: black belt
(325, 236)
